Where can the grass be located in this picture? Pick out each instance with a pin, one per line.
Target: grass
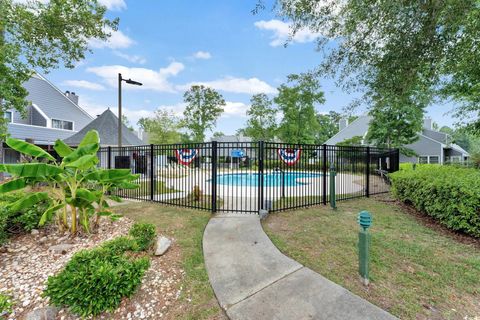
(160, 188)
(416, 272)
(186, 227)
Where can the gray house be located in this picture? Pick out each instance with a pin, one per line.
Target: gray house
(431, 147)
(51, 115)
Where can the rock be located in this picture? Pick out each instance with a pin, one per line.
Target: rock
(34, 231)
(60, 248)
(162, 245)
(263, 213)
(47, 313)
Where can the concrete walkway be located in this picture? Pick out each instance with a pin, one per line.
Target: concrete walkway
(252, 279)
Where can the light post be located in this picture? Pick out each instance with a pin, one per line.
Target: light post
(129, 81)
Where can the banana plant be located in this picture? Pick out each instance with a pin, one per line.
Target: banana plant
(73, 182)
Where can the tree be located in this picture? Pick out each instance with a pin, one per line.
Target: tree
(299, 123)
(412, 52)
(218, 134)
(204, 107)
(328, 126)
(162, 128)
(262, 123)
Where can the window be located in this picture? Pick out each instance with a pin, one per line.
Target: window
(423, 159)
(62, 124)
(433, 159)
(8, 115)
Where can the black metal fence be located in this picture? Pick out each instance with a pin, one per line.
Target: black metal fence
(249, 176)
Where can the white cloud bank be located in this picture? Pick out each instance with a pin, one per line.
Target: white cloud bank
(282, 32)
(84, 84)
(202, 55)
(151, 79)
(235, 85)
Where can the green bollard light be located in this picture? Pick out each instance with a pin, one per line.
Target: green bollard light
(333, 174)
(364, 238)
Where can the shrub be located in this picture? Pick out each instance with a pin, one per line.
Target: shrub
(144, 235)
(120, 245)
(5, 304)
(449, 194)
(95, 281)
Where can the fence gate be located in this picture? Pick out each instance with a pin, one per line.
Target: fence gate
(245, 177)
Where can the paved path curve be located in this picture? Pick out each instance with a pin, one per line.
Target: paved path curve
(252, 279)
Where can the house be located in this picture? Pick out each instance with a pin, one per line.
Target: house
(51, 115)
(431, 147)
(107, 126)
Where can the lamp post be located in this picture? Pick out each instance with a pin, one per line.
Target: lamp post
(129, 81)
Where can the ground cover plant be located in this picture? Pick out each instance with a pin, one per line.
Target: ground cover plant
(74, 181)
(97, 280)
(185, 226)
(416, 271)
(449, 194)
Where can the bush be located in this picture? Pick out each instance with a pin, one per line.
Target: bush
(120, 245)
(96, 280)
(5, 304)
(449, 194)
(144, 234)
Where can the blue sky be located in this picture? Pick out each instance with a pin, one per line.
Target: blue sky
(168, 45)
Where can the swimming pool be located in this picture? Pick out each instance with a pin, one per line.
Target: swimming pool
(272, 179)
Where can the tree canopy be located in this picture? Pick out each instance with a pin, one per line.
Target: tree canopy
(261, 123)
(399, 54)
(162, 128)
(297, 102)
(44, 35)
(204, 107)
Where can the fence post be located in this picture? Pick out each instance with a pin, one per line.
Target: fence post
(324, 175)
(367, 173)
(152, 173)
(109, 155)
(261, 149)
(214, 176)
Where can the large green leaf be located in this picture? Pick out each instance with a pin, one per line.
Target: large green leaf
(12, 185)
(110, 175)
(28, 201)
(127, 185)
(31, 170)
(84, 162)
(62, 148)
(81, 151)
(90, 137)
(47, 215)
(28, 148)
(87, 195)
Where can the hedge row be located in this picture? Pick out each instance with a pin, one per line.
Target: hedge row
(450, 195)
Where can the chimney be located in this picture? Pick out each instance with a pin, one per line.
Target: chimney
(72, 96)
(427, 123)
(342, 124)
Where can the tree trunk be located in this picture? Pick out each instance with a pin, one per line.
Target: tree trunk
(73, 228)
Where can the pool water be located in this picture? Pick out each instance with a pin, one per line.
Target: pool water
(273, 179)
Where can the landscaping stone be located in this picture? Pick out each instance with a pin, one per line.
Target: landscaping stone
(162, 245)
(263, 214)
(61, 248)
(47, 313)
(34, 232)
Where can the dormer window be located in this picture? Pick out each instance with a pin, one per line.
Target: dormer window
(62, 124)
(9, 116)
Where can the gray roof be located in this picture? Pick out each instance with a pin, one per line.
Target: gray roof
(107, 126)
(232, 138)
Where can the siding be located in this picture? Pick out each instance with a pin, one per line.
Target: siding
(54, 103)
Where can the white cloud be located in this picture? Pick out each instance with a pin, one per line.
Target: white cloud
(282, 32)
(235, 85)
(84, 84)
(117, 40)
(131, 58)
(235, 109)
(151, 79)
(114, 4)
(202, 55)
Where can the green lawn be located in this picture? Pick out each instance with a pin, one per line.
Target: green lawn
(186, 226)
(416, 272)
(160, 188)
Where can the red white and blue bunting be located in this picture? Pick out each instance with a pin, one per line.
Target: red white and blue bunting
(186, 156)
(289, 156)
